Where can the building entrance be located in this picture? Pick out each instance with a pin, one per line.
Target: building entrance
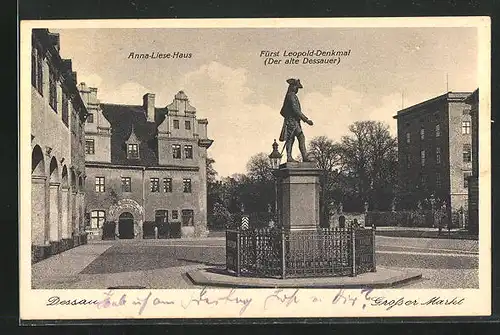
(126, 226)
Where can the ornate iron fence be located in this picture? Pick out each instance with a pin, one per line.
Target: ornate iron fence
(283, 253)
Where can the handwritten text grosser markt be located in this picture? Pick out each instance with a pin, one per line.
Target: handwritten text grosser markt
(160, 55)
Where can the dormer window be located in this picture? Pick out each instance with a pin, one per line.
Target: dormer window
(176, 124)
(133, 151)
(187, 125)
(132, 145)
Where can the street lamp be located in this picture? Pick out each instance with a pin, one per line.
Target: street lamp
(275, 160)
(275, 157)
(432, 200)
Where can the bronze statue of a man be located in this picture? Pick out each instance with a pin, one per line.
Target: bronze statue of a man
(291, 124)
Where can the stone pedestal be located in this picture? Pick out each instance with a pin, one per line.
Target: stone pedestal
(298, 195)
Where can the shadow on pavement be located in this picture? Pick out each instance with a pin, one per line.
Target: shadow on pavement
(130, 258)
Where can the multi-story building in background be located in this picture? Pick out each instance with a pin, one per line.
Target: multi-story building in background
(146, 168)
(58, 150)
(435, 153)
(473, 223)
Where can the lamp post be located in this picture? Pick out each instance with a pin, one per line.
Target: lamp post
(275, 159)
(432, 200)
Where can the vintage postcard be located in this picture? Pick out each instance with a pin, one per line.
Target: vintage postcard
(255, 168)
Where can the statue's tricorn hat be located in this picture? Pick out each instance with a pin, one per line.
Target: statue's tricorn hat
(295, 82)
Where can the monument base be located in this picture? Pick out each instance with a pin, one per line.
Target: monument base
(298, 195)
(386, 277)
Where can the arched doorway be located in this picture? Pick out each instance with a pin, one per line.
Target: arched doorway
(126, 226)
(39, 234)
(131, 207)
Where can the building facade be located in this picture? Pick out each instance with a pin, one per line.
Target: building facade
(435, 154)
(146, 168)
(58, 150)
(473, 227)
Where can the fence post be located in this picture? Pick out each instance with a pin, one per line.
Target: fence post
(353, 251)
(283, 254)
(374, 255)
(238, 253)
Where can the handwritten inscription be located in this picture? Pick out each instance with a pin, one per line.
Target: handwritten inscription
(202, 298)
(278, 298)
(282, 298)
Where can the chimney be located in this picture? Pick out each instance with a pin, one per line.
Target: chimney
(148, 102)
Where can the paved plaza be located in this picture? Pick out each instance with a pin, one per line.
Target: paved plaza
(163, 264)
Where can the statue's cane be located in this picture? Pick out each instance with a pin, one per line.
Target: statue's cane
(284, 145)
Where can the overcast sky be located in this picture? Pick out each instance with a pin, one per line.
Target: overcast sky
(228, 83)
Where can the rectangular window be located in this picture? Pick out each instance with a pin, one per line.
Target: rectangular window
(176, 151)
(438, 130)
(465, 127)
(175, 214)
(176, 124)
(64, 109)
(97, 219)
(466, 178)
(133, 151)
(467, 153)
(187, 217)
(408, 161)
(100, 184)
(438, 155)
(408, 138)
(90, 118)
(438, 180)
(422, 157)
(422, 133)
(37, 70)
(155, 185)
(53, 90)
(188, 151)
(186, 183)
(126, 184)
(33, 67)
(89, 147)
(187, 125)
(167, 185)
(161, 216)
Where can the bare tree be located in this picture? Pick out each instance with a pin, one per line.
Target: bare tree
(327, 155)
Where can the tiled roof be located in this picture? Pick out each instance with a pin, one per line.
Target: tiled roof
(121, 118)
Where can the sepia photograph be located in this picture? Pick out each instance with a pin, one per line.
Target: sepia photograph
(212, 159)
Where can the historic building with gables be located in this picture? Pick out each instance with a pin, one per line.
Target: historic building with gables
(58, 150)
(146, 168)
